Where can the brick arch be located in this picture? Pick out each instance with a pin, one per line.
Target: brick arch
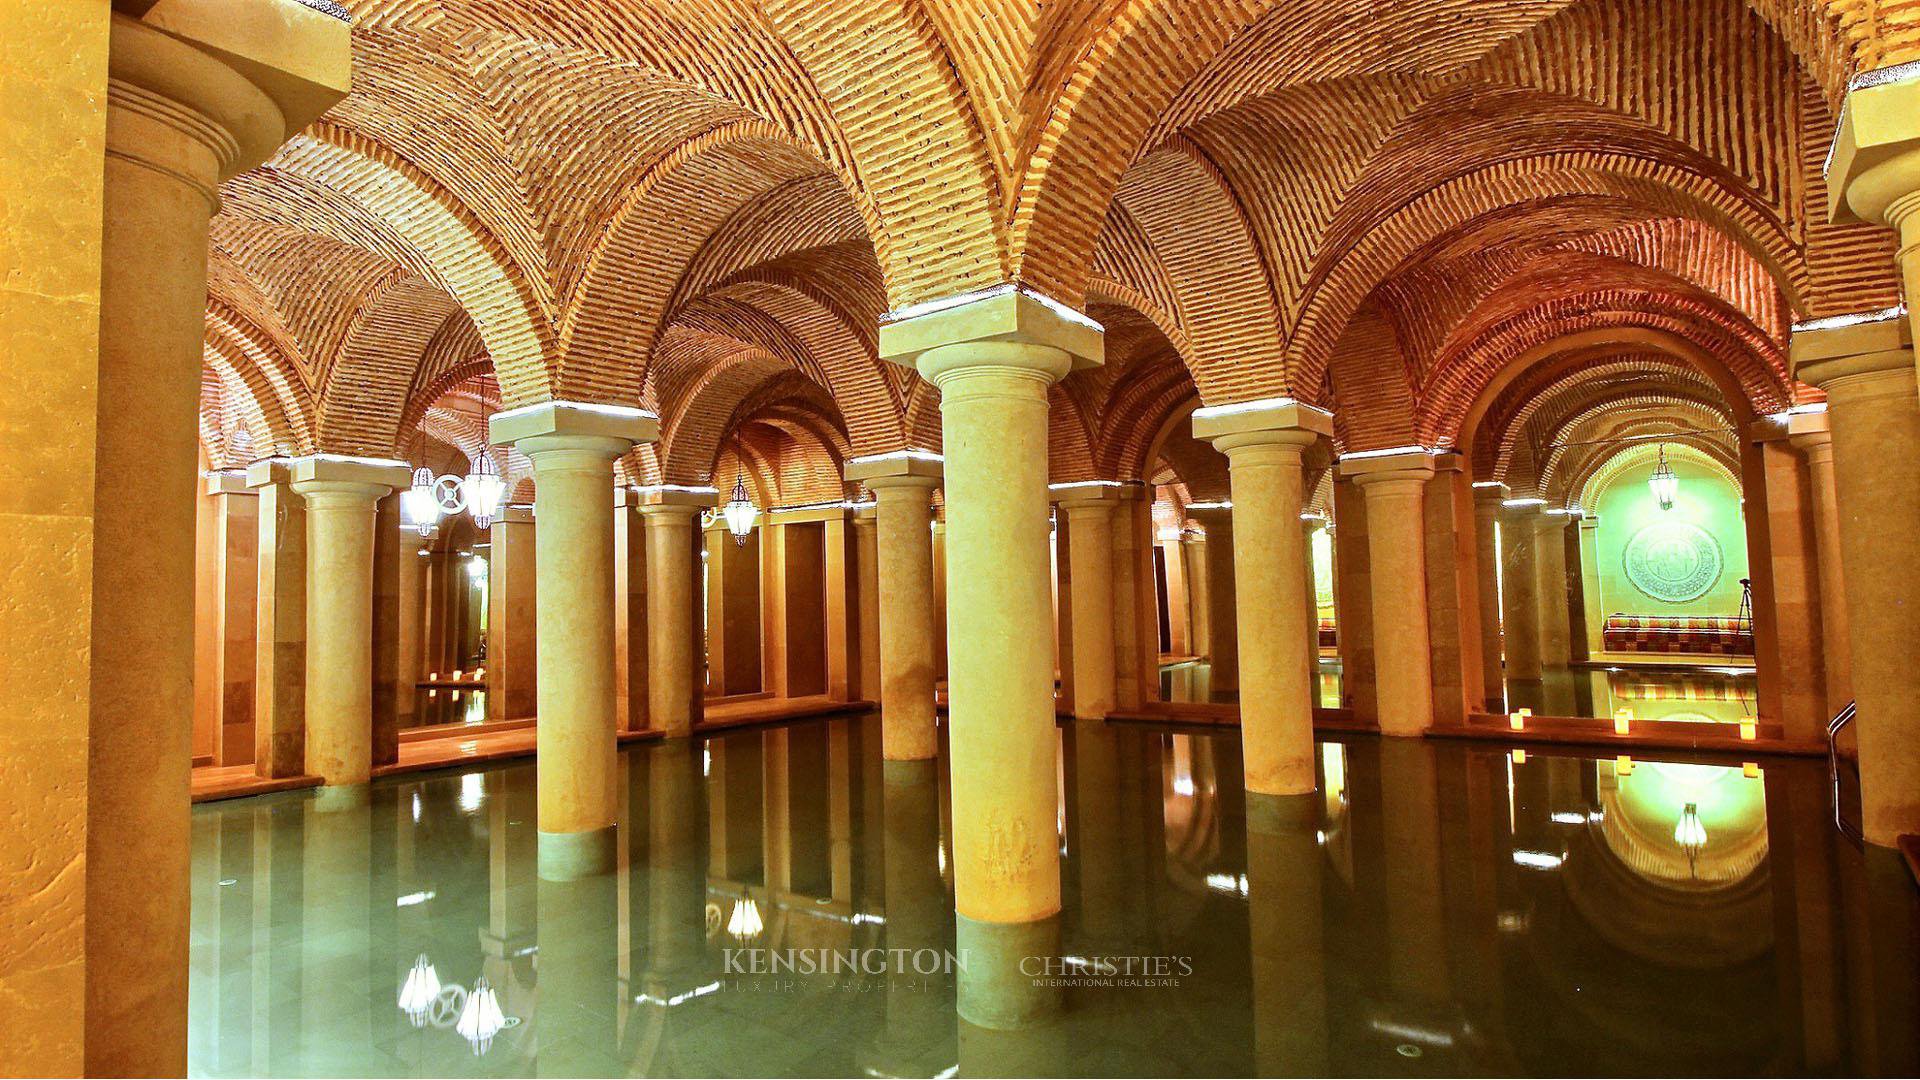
(1603, 468)
(337, 182)
(233, 344)
(622, 305)
(1139, 412)
(1397, 241)
(1577, 462)
(1548, 394)
(365, 396)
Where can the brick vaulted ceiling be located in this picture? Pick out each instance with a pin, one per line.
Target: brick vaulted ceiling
(705, 207)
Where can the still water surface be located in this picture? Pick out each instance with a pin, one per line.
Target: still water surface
(1447, 910)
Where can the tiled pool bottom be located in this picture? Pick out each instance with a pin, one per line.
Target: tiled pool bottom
(1453, 911)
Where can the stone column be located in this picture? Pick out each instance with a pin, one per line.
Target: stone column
(280, 653)
(1089, 509)
(732, 574)
(236, 542)
(629, 613)
(1136, 639)
(573, 447)
(793, 600)
(513, 617)
(1592, 602)
(119, 135)
(993, 359)
(1520, 590)
(1487, 497)
(1223, 640)
(866, 542)
(1873, 169)
(1866, 369)
(412, 574)
(1550, 564)
(1265, 444)
(341, 494)
(902, 485)
(842, 636)
(1193, 554)
(676, 678)
(1810, 434)
(1395, 486)
(1179, 596)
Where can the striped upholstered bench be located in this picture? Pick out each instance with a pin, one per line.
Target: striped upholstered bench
(1710, 635)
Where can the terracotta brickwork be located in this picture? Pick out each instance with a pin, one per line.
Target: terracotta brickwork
(705, 209)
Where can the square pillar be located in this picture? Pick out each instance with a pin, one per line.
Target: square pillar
(629, 613)
(513, 616)
(280, 620)
(236, 542)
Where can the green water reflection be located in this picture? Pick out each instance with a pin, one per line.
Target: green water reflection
(1437, 908)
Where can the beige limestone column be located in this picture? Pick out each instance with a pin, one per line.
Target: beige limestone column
(629, 612)
(1265, 444)
(1487, 497)
(1550, 566)
(1873, 168)
(1395, 487)
(1866, 369)
(341, 493)
(236, 543)
(1520, 585)
(1593, 602)
(866, 535)
(1089, 508)
(280, 656)
(118, 136)
(573, 447)
(1223, 640)
(413, 597)
(513, 615)
(993, 359)
(842, 638)
(1136, 641)
(793, 599)
(384, 644)
(1179, 596)
(732, 576)
(902, 485)
(676, 679)
(1811, 435)
(1193, 550)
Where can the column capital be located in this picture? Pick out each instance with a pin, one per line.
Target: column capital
(229, 482)
(1005, 313)
(1085, 494)
(1828, 350)
(795, 515)
(671, 500)
(1269, 422)
(1873, 170)
(919, 468)
(236, 77)
(347, 470)
(1526, 508)
(1211, 514)
(1376, 467)
(574, 420)
(1490, 493)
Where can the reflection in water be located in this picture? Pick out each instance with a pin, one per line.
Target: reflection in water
(1707, 695)
(446, 706)
(1192, 681)
(1437, 906)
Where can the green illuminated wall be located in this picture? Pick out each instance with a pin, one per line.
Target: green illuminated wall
(1707, 501)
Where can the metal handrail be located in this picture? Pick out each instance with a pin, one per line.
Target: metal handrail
(1840, 720)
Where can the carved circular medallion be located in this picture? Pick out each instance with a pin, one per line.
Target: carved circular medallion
(1673, 561)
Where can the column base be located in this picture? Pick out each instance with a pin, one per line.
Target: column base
(1282, 815)
(1004, 977)
(569, 856)
(334, 798)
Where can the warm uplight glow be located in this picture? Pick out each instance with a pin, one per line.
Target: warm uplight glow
(1622, 720)
(1749, 731)
(1519, 756)
(419, 990)
(1518, 721)
(1623, 766)
(1750, 770)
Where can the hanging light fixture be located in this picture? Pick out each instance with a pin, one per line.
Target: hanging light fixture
(739, 511)
(745, 923)
(419, 508)
(482, 1019)
(419, 990)
(1663, 483)
(482, 489)
(1688, 832)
